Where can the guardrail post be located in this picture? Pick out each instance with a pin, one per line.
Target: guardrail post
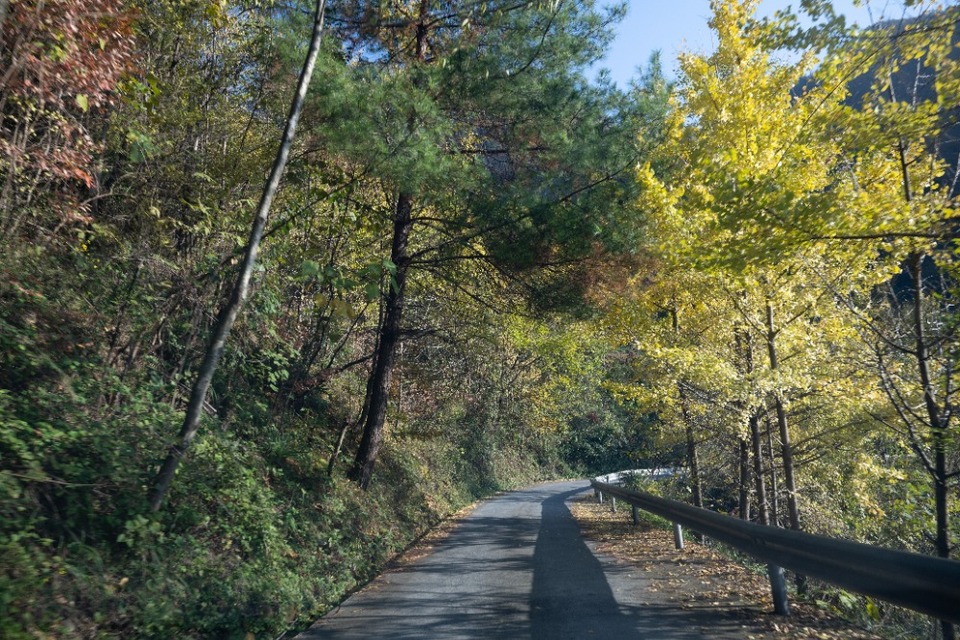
(778, 587)
(925, 584)
(613, 504)
(678, 536)
(636, 515)
(600, 497)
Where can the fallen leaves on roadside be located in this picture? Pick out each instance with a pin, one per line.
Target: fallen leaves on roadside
(700, 575)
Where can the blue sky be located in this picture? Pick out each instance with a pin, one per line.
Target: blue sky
(673, 26)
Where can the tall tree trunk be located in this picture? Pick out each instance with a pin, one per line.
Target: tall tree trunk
(934, 415)
(938, 427)
(693, 460)
(378, 385)
(762, 506)
(754, 423)
(744, 479)
(241, 288)
(774, 486)
(786, 449)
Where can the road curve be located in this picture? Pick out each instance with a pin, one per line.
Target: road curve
(516, 567)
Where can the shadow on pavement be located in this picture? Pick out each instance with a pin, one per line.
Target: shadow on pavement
(571, 597)
(505, 573)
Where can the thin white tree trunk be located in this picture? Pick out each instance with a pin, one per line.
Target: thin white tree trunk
(241, 288)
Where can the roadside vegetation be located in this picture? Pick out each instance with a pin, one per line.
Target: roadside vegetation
(223, 406)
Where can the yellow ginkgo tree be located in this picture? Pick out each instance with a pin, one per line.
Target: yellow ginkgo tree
(803, 187)
(741, 159)
(897, 133)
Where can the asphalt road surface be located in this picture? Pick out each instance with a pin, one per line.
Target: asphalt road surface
(517, 567)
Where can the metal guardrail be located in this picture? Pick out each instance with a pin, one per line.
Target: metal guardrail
(923, 583)
(656, 473)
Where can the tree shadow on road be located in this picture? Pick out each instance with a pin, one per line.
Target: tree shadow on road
(571, 597)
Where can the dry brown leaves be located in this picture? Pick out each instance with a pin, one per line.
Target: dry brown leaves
(701, 576)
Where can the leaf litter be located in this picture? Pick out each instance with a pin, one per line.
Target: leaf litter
(698, 576)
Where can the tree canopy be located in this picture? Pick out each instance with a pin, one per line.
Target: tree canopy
(478, 264)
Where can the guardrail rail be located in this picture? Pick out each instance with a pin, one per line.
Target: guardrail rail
(926, 584)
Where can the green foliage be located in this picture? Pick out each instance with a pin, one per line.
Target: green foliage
(102, 316)
(523, 233)
(257, 536)
(250, 545)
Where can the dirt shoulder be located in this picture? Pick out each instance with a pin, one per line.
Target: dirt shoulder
(699, 577)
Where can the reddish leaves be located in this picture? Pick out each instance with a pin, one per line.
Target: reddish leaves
(61, 59)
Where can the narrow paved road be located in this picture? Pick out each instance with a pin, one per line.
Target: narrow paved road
(517, 567)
